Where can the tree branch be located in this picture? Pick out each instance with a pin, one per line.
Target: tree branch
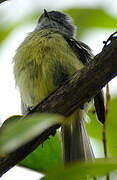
(82, 86)
(1, 1)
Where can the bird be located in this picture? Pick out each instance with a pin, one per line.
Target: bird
(48, 57)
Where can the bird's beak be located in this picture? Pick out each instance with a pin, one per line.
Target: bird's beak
(46, 14)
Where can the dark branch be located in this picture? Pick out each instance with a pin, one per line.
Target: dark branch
(82, 86)
(1, 1)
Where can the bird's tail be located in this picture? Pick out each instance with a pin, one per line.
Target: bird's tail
(76, 143)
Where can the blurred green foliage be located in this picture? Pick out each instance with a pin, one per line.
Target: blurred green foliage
(45, 157)
(111, 128)
(86, 18)
(95, 128)
(83, 171)
(50, 156)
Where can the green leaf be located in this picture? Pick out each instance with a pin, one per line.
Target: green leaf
(45, 157)
(11, 120)
(21, 132)
(111, 128)
(94, 127)
(79, 171)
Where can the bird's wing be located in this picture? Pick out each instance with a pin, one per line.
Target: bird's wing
(85, 55)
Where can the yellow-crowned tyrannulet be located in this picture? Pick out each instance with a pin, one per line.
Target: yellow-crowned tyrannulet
(45, 59)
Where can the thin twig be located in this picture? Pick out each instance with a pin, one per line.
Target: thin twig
(104, 126)
(107, 99)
